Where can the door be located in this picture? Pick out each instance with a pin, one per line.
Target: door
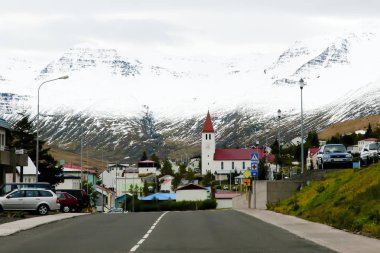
(14, 201)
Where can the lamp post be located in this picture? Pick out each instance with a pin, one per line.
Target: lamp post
(302, 84)
(266, 153)
(38, 119)
(278, 136)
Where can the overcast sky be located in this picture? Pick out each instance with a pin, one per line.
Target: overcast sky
(175, 27)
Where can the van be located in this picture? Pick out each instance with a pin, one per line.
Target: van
(8, 187)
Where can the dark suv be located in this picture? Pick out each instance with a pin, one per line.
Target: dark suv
(334, 155)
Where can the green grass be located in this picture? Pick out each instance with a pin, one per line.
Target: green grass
(347, 199)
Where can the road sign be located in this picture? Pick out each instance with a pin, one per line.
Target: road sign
(247, 182)
(254, 157)
(247, 174)
(254, 173)
(254, 166)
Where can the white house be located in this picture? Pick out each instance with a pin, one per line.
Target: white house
(29, 173)
(166, 183)
(121, 181)
(147, 167)
(191, 192)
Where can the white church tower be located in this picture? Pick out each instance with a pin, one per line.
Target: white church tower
(208, 146)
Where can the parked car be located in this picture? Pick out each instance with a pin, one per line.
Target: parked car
(370, 152)
(28, 199)
(81, 195)
(7, 188)
(117, 210)
(68, 202)
(333, 155)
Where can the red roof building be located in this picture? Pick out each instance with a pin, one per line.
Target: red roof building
(237, 154)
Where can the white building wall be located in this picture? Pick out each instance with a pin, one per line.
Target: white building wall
(69, 184)
(124, 183)
(146, 170)
(191, 195)
(208, 150)
(224, 167)
(224, 203)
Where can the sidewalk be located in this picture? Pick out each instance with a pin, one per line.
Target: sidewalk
(324, 235)
(16, 226)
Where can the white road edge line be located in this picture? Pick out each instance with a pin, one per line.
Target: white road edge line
(134, 248)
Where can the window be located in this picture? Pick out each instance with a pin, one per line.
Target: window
(2, 139)
(233, 165)
(209, 136)
(45, 194)
(221, 165)
(206, 136)
(18, 194)
(243, 165)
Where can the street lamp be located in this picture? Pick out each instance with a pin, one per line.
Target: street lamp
(266, 152)
(302, 84)
(278, 136)
(38, 119)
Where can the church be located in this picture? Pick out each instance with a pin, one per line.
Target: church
(223, 161)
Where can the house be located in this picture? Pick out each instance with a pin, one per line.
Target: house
(224, 199)
(166, 184)
(225, 161)
(364, 142)
(7, 164)
(194, 164)
(311, 159)
(106, 198)
(147, 167)
(72, 177)
(191, 192)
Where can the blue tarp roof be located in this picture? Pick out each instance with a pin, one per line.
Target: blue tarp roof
(160, 196)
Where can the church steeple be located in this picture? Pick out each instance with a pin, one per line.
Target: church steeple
(208, 127)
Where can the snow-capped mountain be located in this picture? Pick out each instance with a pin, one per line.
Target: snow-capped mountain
(129, 105)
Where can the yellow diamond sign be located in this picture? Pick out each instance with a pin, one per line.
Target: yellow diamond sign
(247, 174)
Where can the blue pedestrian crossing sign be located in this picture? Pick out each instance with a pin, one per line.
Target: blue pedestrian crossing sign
(255, 157)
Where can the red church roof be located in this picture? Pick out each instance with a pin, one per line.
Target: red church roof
(208, 127)
(237, 154)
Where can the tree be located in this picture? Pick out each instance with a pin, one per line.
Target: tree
(190, 175)
(144, 157)
(176, 180)
(145, 189)
(182, 170)
(263, 169)
(91, 192)
(24, 137)
(167, 168)
(208, 178)
(156, 159)
(368, 133)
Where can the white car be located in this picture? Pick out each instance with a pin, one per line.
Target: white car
(370, 152)
(27, 199)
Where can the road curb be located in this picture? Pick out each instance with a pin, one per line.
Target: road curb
(320, 234)
(20, 225)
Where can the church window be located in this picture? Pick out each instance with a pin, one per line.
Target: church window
(209, 136)
(222, 165)
(233, 165)
(243, 165)
(206, 136)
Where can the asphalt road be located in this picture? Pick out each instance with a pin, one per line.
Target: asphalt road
(200, 231)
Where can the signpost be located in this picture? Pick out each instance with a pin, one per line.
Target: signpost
(254, 173)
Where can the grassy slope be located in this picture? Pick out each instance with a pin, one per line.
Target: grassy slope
(347, 199)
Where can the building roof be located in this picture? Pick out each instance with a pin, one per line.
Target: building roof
(71, 167)
(190, 186)
(4, 124)
(237, 154)
(208, 127)
(313, 151)
(160, 196)
(370, 139)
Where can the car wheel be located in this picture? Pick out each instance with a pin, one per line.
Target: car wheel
(66, 209)
(1, 209)
(43, 209)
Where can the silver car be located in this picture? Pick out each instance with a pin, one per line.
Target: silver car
(40, 200)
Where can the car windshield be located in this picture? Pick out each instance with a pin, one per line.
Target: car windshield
(335, 149)
(373, 146)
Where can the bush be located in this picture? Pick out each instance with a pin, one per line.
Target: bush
(153, 206)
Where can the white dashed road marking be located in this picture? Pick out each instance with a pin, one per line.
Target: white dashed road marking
(134, 248)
